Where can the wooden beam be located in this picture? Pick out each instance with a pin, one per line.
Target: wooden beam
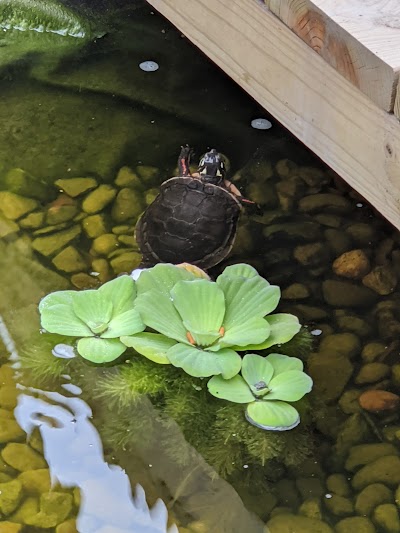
(396, 109)
(360, 141)
(359, 38)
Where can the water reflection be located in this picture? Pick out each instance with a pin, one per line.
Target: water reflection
(74, 452)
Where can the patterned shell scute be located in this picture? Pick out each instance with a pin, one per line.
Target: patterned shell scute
(189, 221)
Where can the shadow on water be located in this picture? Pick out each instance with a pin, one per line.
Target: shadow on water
(76, 438)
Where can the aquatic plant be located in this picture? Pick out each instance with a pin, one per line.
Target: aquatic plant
(97, 317)
(266, 384)
(201, 325)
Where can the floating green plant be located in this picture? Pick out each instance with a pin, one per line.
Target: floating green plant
(97, 317)
(201, 325)
(266, 385)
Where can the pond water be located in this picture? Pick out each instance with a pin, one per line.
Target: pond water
(87, 137)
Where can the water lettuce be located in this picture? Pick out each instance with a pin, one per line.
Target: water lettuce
(266, 384)
(97, 317)
(200, 325)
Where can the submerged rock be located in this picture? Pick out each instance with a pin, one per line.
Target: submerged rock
(370, 497)
(51, 244)
(353, 264)
(10, 496)
(126, 177)
(386, 516)
(330, 374)
(7, 227)
(69, 260)
(28, 508)
(98, 199)
(383, 470)
(346, 294)
(329, 202)
(76, 186)
(54, 509)
(95, 225)
(338, 484)
(367, 453)
(13, 206)
(355, 524)
(21, 182)
(35, 481)
(128, 205)
(104, 244)
(9, 430)
(376, 401)
(371, 373)
(10, 527)
(382, 279)
(22, 457)
(289, 523)
(339, 505)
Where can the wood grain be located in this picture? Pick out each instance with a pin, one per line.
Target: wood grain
(330, 115)
(359, 38)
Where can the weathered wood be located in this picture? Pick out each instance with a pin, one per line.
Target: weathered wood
(396, 109)
(359, 38)
(338, 122)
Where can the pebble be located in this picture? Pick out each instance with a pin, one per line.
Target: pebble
(370, 497)
(51, 244)
(104, 244)
(386, 516)
(82, 280)
(327, 202)
(128, 205)
(95, 225)
(347, 294)
(290, 523)
(69, 260)
(76, 186)
(384, 470)
(367, 453)
(353, 264)
(13, 206)
(126, 177)
(98, 199)
(355, 524)
(381, 279)
(371, 373)
(376, 401)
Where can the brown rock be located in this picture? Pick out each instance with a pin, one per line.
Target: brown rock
(379, 400)
(354, 264)
(382, 279)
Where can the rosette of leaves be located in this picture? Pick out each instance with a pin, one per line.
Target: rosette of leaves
(97, 317)
(200, 325)
(266, 384)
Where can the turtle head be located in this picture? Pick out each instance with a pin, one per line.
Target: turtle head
(212, 166)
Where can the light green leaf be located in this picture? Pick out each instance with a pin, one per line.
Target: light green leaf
(283, 328)
(61, 319)
(162, 278)
(289, 386)
(158, 312)
(127, 323)
(92, 308)
(121, 292)
(100, 350)
(276, 416)
(201, 305)
(56, 298)
(202, 364)
(151, 345)
(240, 270)
(234, 389)
(248, 298)
(257, 372)
(283, 363)
(253, 331)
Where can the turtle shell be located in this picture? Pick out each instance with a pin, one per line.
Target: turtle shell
(189, 221)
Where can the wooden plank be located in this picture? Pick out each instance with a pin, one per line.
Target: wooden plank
(396, 109)
(359, 38)
(338, 122)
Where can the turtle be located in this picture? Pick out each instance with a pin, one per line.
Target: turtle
(194, 217)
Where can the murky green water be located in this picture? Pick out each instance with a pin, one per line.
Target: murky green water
(93, 114)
